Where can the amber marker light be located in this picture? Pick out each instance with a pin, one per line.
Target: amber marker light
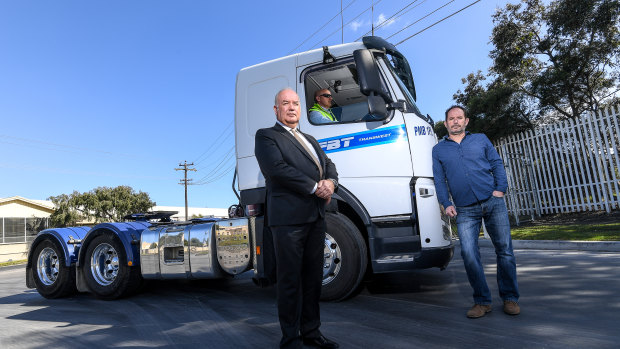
(130, 263)
(257, 250)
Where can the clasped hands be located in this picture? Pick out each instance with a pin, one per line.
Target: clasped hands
(325, 189)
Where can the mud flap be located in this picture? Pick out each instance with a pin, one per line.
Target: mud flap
(80, 282)
(265, 264)
(30, 278)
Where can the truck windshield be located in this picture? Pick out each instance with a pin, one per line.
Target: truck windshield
(402, 74)
(400, 67)
(396, 61)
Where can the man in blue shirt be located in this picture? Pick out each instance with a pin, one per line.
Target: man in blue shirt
(467, 166)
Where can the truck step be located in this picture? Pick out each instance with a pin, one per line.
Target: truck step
(396, 258)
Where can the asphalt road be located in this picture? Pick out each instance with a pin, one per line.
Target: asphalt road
(569, 299)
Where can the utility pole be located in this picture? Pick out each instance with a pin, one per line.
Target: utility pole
(372, 17)
(185, 181)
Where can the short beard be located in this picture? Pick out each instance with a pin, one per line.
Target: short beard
(461, 131)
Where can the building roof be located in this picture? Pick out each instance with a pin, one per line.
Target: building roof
(43, 205)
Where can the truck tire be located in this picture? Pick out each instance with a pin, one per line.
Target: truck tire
(52, 277)
(345, 258)
(106, 271)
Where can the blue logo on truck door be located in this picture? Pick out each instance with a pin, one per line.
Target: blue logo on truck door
(422, 130)
(364, 139)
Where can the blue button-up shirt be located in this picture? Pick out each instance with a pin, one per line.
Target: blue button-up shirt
(471, 170)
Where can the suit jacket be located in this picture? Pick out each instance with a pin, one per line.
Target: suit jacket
(290, 175)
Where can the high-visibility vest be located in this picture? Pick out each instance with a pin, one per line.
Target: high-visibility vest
(328, 114)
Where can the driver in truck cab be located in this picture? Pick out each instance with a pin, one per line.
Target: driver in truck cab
(320, 113)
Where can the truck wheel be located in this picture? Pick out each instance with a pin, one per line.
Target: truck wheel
(345, 258)
(106, 271)
(51, 276)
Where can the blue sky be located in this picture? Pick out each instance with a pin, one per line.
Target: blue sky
(107, 93)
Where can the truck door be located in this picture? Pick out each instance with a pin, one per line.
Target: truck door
(433, 226)
(372, 156)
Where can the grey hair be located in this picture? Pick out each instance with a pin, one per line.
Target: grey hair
(275, 100)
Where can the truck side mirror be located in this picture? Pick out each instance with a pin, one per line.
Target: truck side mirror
(376, 107)
(370, 83)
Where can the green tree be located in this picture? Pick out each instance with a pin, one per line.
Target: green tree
(496, 110)
(565, 55)
(64, 215)
(102, 204)
(550, 61)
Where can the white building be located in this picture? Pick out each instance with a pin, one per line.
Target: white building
(21, 219)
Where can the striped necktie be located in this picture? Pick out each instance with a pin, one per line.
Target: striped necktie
(299, 139)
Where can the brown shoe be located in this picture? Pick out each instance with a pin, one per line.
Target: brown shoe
(511, 308)
(478, 310)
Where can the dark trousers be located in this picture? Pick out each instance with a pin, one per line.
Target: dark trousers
(299, 265)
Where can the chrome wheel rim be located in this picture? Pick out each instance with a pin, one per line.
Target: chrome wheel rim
(331, 259)
(48, 266)
(104, 264)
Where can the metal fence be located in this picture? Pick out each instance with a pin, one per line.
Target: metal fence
(569, 166)
(21, 229)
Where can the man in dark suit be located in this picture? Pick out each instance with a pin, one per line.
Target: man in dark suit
(300, 180)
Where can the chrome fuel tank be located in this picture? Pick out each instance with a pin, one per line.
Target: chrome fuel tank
(196, 250)
(233, 245)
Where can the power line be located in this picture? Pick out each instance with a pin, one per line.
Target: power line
(227, 157)
(395, 15)
(387, 20)
(66, 171)
(618, 90)
(325, 38)
(428, 14)
(324, 25)
(217, 169)
(220, 175)
(216, 174)
(215, 142)
(58, 146)
(441, 20)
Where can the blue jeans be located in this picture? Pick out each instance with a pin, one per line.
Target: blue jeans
(468, 221)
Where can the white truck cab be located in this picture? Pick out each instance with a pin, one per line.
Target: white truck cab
(385, 215)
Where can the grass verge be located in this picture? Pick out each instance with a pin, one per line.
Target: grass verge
(570, 232)
(6, 264)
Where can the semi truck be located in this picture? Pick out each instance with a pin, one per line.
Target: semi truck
(385, 216)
